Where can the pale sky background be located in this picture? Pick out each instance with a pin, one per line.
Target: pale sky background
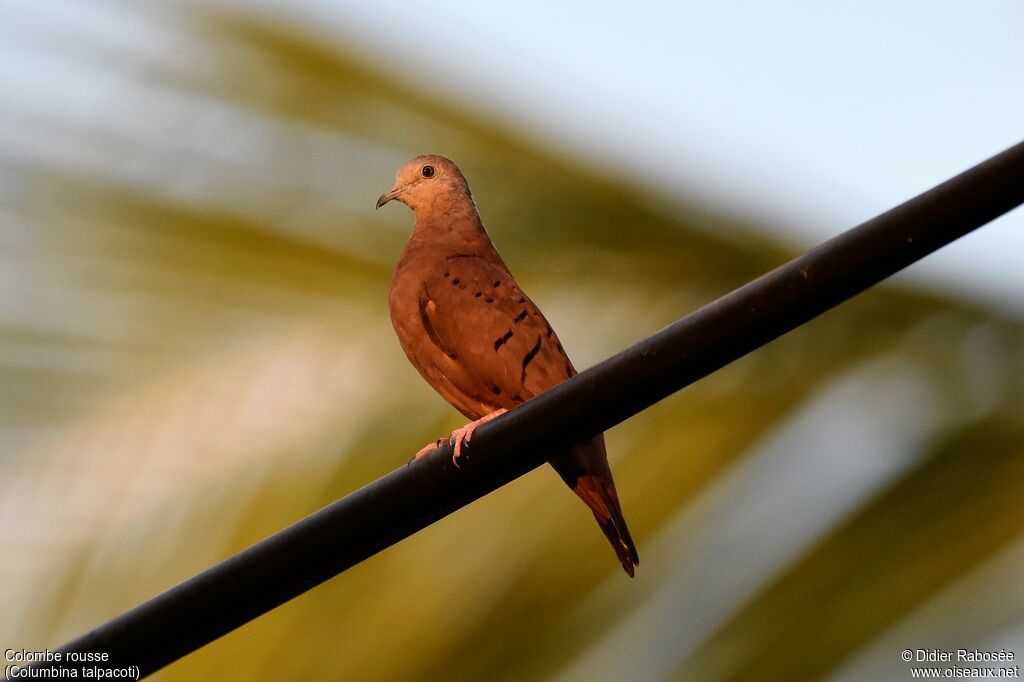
(808, 117)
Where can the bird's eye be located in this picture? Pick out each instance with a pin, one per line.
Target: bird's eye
(427, 171)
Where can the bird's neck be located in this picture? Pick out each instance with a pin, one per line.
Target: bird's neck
(454, 225)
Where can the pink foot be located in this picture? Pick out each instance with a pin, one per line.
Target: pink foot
(463, 435)
(426, 450)
(459, 437)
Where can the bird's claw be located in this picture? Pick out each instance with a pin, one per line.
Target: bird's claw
(425, 450)
(459, 438)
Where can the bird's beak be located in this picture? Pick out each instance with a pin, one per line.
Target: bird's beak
(390, 194)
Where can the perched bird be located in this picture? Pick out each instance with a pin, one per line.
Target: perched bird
(473, 334)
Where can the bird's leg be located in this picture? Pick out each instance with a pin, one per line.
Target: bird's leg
(463, 435)
(458, 437)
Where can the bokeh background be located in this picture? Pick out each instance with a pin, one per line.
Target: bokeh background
(195, 349)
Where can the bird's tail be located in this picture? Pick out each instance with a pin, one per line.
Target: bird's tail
(594, 485)
(600, 496)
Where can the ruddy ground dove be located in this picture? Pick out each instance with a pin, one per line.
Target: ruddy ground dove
(473, 334)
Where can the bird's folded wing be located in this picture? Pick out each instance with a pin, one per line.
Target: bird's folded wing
(495, 337)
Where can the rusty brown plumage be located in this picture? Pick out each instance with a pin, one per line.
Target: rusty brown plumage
(476, 337)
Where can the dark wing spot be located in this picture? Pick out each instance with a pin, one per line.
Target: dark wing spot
(494, 389)
(559, 347)
(522, 300)
(498, 343)
(489, 300)
(446, 274)
(478, 294)
(455, 281)
(497, 282)
(520, 317)
(550, 331)
(432, 333)
(528, 358)
(517, 398)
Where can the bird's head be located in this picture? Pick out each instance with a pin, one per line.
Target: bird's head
(426, 180)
